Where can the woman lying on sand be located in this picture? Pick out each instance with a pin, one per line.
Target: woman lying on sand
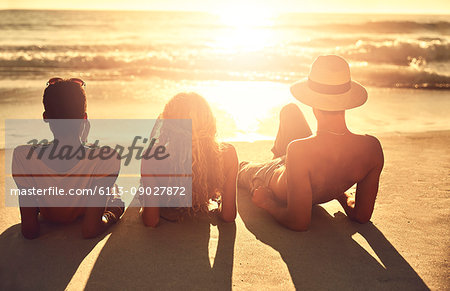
(214, 165)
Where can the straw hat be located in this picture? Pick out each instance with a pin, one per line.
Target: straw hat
(329, 86)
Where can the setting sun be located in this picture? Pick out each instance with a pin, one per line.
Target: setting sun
(246, 29)
(246, 16)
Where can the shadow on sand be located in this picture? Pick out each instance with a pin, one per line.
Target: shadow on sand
(327, 256)
(176, 256)
(46, 263)
(172, 256)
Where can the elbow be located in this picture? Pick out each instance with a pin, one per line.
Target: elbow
(150, 222)
(228, 214)
(150, 216)
(89, 233)
(228, 218)
(30, 234)
(91, 230)
(362, 220)
(298, 226)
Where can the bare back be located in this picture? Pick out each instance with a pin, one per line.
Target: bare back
(334, 164)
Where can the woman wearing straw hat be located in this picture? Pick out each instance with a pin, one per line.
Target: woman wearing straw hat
(312, 169)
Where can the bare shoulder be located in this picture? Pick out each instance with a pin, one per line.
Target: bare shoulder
(375, 149)
(20, 154)
(229, 156)
(227, 149)
(22, 150)
(28, 151)
(304, 150)
(372, 140)
(301, 146)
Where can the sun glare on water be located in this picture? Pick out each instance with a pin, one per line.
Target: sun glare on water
(246, 29)
(247, 111)
(244, 106)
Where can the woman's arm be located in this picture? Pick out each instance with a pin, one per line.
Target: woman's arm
(231, 165)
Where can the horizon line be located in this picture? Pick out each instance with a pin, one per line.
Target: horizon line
(217, 12)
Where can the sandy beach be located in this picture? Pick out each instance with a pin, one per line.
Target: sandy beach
(406, 245)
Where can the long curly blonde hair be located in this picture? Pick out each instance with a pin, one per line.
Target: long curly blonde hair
(207, 164)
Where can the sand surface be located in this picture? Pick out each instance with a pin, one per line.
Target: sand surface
(406, 246)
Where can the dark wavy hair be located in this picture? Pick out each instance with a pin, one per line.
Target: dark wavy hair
(64, 100)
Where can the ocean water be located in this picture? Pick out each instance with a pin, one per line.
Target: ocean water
(133, 62)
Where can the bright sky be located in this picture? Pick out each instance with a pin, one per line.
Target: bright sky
(266, 6)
